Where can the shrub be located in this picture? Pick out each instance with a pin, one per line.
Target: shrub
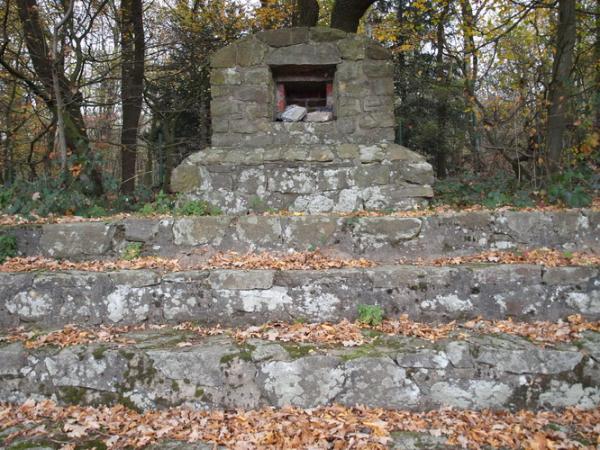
(132, 251)
(8, 247)
(370, 314)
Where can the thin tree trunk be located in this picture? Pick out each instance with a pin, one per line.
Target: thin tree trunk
(132, 80)
(470, 68)
(306, 13)
(441, 154)
(559, 90)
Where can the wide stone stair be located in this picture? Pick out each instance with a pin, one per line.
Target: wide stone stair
(179, 331)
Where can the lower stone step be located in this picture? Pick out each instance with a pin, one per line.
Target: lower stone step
(164, 368)
(238, 298)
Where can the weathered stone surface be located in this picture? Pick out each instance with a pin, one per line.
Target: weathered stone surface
(216, 372)
(334, 178)
(70, 240)
(242, 72)
(243, 297)
(322, 54)
(284, 37)
(384, 238)
(185, 178)
(293, 113)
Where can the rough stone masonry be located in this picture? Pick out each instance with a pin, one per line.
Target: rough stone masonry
(258, 162)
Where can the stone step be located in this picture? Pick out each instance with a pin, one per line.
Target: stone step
(383, 238)
(164, 368)
(239, 297)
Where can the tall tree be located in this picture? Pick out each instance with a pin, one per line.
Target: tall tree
(559, 91)
(346, 14)
(50, 72)
(132, 86)
(306, 13)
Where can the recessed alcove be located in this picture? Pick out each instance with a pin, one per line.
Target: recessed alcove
(310, 86)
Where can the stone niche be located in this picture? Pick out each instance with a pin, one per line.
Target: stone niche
(347, 162)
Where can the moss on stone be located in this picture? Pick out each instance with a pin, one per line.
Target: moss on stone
(99, 352)
(245, 354)
(298, 350)
(31, 444)
(199, 392)
(175, 386)
(72, 395)
(364, 351)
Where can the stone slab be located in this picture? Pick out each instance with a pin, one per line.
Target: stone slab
(155, 372)
(385, 238)
(239, 298)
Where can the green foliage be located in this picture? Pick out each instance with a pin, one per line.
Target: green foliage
(162, 204)
(491, 192)
(573, 188)
(8, 247)
(197, 208)
(165, 204)
(132, 251)
(370, 314)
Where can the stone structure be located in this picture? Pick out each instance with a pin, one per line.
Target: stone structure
(258, 162)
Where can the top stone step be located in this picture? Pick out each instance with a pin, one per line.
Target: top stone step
(380, 238)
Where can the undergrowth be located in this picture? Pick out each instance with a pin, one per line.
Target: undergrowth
(572, 188)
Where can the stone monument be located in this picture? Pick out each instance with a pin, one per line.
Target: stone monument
(303, 120)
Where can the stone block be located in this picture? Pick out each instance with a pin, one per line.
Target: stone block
(378, 69)
(241, 280)
(186, 178)
(374, 50)
(76, 240)
(225, 76)
(284, 37)
(200, 230)
(225, 57)
(225, 107)
(319, 116)
(294, 113)
(346, 125)
(255, 94)
(352, 48)
(243, 126)
(348, 107)
(381, 86)
(348, 151)
(323, 54)
(250, 52)
(376, 120)
(326, 34)
(257, 76)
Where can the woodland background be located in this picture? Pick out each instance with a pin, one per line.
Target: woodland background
(100, 99)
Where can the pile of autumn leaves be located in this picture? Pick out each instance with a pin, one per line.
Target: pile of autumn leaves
(308, 260)
(345, 333)
(332, 427)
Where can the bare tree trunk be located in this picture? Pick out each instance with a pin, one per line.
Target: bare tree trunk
(470, 68)
(346, 14)
(441, 151)
(132, 81)
(559, 90)
(306, 13)
(597, 65)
